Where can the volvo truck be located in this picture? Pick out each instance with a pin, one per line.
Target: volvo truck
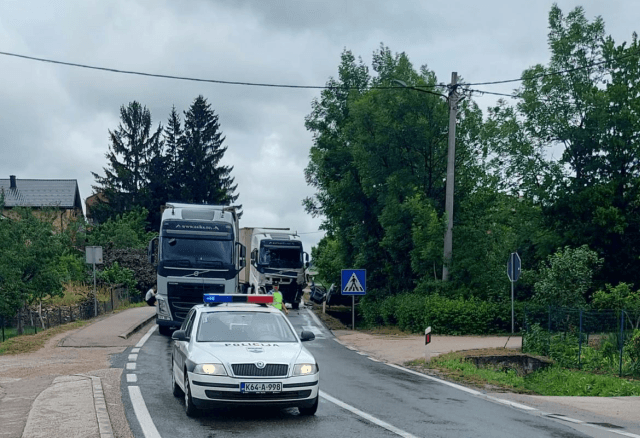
(197, 251)
(276, 256)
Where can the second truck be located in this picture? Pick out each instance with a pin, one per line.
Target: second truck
(277, 256)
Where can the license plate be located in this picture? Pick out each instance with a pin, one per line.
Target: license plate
(261, 387)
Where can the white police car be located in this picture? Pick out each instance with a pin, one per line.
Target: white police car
(237, 350)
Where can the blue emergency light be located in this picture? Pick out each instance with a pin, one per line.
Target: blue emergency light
(237, 298)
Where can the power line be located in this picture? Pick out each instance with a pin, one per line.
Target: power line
(186, 78)
(552, 73)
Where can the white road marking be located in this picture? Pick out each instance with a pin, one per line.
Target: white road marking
(370, 358)
(315, 330)
(133, 357)
(366, 416)
(135, 350)
(510, 403)
(338, 341)
(361, 353)
(315, 318)
(131, 366)
(562, 417)
(444, 382)
(142, 413)
(132, 378)
(145, 337)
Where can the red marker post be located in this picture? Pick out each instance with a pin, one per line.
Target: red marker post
(427, 341)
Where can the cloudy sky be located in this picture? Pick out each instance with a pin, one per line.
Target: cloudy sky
(54, 119)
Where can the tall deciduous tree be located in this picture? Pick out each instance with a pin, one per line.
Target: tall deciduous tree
(132, 161)
(204, 179)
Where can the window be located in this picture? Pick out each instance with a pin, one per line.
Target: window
(244, 327)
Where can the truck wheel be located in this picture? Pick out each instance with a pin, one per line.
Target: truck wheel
(164, 330)
(295, 306)
(189, 407)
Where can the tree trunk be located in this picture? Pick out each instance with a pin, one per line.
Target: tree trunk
(40, 314)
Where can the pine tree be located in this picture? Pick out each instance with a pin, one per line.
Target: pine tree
(174, 148)
(205, 181)
(132, 150)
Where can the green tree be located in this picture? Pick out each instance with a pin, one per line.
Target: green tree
(133, 155)
(127, 230)
(174, 149)
(205, 180)
(567, 278)
(29, 261)
(587, 118)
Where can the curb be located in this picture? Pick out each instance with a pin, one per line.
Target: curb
(131, 330)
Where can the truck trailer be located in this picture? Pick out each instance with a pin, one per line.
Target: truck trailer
(197, 251)
(276, 256)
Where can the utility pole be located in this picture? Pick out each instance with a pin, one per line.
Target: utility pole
(453, 113)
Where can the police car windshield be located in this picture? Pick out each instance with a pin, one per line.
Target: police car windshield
(244, 327)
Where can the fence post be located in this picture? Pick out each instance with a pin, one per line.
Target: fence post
(60, 315)
(580, 343)
(621, 338)
(524, 327)
(35, 326)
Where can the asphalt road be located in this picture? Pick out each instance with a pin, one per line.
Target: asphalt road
(360, 397)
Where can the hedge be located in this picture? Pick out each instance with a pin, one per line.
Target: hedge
(452, 316)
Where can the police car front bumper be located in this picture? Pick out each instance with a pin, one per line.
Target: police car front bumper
(214, 391)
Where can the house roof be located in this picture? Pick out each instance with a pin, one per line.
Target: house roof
(58, 193)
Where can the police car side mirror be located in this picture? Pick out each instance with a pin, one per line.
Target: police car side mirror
(179, 335)
(307, 336)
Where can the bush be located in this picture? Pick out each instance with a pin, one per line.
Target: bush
(414, 312)
(115, 274)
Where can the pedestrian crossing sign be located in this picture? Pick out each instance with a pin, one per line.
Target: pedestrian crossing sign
(354, 281)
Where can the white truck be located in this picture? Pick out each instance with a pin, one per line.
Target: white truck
(277, 256)
(198, 251)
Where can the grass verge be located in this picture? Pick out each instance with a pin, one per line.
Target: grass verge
(29, 343)
(552, 381)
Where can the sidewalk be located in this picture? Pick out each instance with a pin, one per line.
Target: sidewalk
(68, 405)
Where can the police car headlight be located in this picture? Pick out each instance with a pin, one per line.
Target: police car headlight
(304, 369)
(211, 369)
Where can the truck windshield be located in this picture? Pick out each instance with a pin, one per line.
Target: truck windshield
(274, 256)
(197, 252)
(244, 327)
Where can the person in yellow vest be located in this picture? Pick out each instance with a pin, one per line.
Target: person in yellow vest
(278, 302)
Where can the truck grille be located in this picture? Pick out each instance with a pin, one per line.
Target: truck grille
(251, 370)
(183, 296)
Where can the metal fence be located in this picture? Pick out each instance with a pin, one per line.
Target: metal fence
(603, 341)
(34, 320)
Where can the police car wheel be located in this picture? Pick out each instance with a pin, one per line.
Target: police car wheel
(177, 391)
(189, 407)
(311, 410)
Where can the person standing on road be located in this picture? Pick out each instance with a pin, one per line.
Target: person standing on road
(278, 302)
(150, 298)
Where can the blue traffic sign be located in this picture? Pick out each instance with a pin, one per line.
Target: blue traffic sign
(513, 266)
(354, 282)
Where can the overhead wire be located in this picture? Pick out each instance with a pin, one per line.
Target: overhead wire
(552, 73)
(187, 78)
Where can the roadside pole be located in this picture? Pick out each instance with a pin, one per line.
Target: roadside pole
(93, 255)
(513, 272)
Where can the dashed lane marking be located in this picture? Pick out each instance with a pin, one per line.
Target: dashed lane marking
(142, 413)
(132, 378)
(131, 366)
(366, 416)
(135, 350)
(133, 357)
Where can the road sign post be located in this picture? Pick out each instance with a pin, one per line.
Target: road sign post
(93, 255)
(354, 282)
(513, 272)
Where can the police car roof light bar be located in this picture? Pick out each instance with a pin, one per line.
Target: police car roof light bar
(237, 298)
